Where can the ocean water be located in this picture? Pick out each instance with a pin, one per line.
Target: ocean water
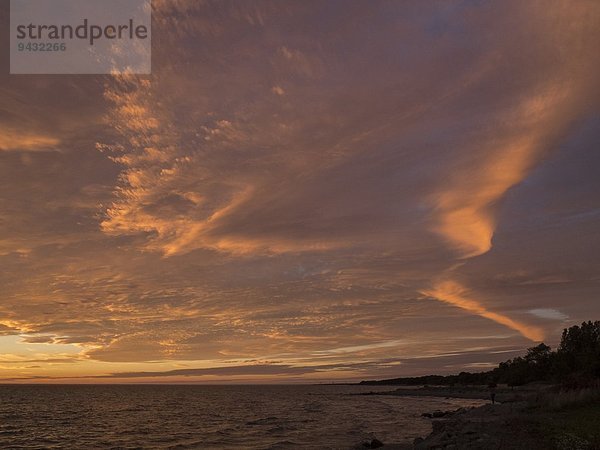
(220, 417)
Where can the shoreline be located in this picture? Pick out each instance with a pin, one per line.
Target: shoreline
(522, 418)
(466, 392)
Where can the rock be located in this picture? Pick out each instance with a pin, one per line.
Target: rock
(438, 426)
(418, 440)
(446, 437)
(438, 413)
(469, 429)
(376, 443)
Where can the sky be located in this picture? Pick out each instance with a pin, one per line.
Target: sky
(304, 191)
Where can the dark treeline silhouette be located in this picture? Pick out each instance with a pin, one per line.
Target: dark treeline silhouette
(575, 364)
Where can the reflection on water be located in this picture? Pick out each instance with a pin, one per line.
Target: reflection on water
(180, 417)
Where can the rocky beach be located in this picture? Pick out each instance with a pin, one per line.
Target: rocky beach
(525, 418)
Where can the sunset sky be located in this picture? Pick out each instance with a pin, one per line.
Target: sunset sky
(305, 191)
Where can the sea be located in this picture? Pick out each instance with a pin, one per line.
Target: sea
(210, 417)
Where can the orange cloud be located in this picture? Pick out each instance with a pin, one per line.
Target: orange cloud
(12, 140)
(465, 214)
(464, 209)
(453, 293)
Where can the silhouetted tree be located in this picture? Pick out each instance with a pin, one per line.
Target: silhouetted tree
(578, 356)
(539, 362)
(575, 364)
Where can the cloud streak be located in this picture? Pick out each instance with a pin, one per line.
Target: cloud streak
(457, 295)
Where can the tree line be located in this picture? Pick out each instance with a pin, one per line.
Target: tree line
(574, 364)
